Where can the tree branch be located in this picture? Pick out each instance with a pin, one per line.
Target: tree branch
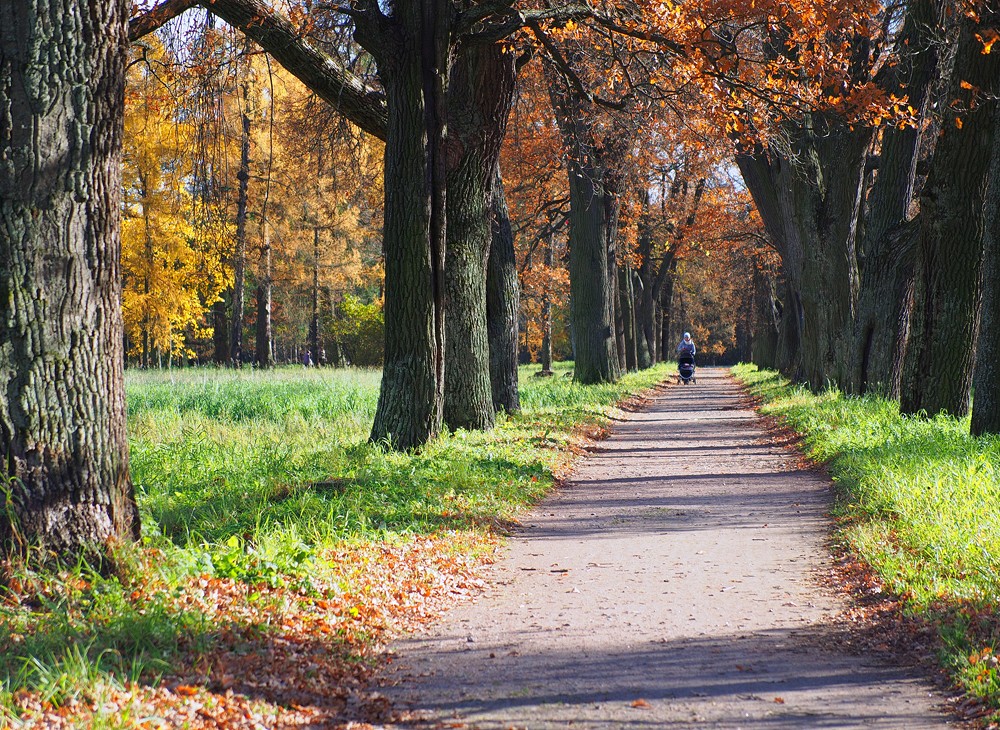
(572, 78)
(323, 73)
(142, 25)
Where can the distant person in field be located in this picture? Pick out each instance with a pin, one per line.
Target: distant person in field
(307, 359)
(686, 345)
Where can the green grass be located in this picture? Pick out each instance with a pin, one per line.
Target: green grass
(918, 503)
(281, 459)
(257, 476)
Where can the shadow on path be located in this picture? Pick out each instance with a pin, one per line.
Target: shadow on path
(671, 581)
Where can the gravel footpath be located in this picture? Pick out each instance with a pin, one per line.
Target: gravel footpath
(675, 580)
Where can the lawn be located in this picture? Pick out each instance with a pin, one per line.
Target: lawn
(918, 500)
(280, 549)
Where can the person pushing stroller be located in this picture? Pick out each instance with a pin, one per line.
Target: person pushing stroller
(685, 359)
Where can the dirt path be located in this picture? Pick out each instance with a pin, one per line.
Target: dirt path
(672, 582)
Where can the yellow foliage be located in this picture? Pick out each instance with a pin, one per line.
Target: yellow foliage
(168, 281)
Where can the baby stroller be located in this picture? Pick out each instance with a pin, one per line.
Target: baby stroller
(685, 367)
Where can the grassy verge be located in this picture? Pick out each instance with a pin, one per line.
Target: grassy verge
(280, 549)
(918, 503)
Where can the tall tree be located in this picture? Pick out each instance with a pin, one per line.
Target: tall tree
(887, 241)
(948, 297)
(503, 296)
(479, 99)
(986, 377)
(596, 152)
(62, 420)
(242, 205)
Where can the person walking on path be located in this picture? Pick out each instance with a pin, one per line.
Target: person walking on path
(674, 580)
(686, 345)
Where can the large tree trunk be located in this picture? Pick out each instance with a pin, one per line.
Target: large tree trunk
(480, 95)
(882, 326)
(887, 244)
(626, 299)
(503, 295)
(591, 285)
(414, 75)
(62, 420)
(594, 165)
(764, 324)
(619, 315)
(947, 300)
(986, 376)
(810, 208)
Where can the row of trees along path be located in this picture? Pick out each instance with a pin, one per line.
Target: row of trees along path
(843, 118)
(676, 580)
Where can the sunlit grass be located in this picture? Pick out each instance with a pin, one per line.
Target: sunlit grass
(918, 502)
(263, 478)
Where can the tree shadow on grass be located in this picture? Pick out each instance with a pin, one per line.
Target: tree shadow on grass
(419, 495)
(310, 660)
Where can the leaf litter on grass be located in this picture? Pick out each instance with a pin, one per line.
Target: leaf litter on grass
(278, 657)
(262, 599)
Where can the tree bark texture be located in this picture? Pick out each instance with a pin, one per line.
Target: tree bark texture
(887, 243)
(591, 285)
(411, 397)
(595, 169)
(503, 305)
(62, 418)
(626, 299)
(882, 326)
(948, 292)
(479, 99)
(764, 325)
(809, 200)
(616, 299)
(986, 375)
(645, 314)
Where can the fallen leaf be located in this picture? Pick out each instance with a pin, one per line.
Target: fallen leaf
(778, 701)
(640, 703)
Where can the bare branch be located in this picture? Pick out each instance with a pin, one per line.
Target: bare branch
(323, 73)
(151, 20)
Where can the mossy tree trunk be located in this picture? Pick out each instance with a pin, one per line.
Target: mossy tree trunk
(764, 327)
(644, 312)
(591, 284)
(887, 244)
(414, 74)
(948, 294)
(479, 98)
(503, 305)
(626, 299)
(62, 420)
(810, 202)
